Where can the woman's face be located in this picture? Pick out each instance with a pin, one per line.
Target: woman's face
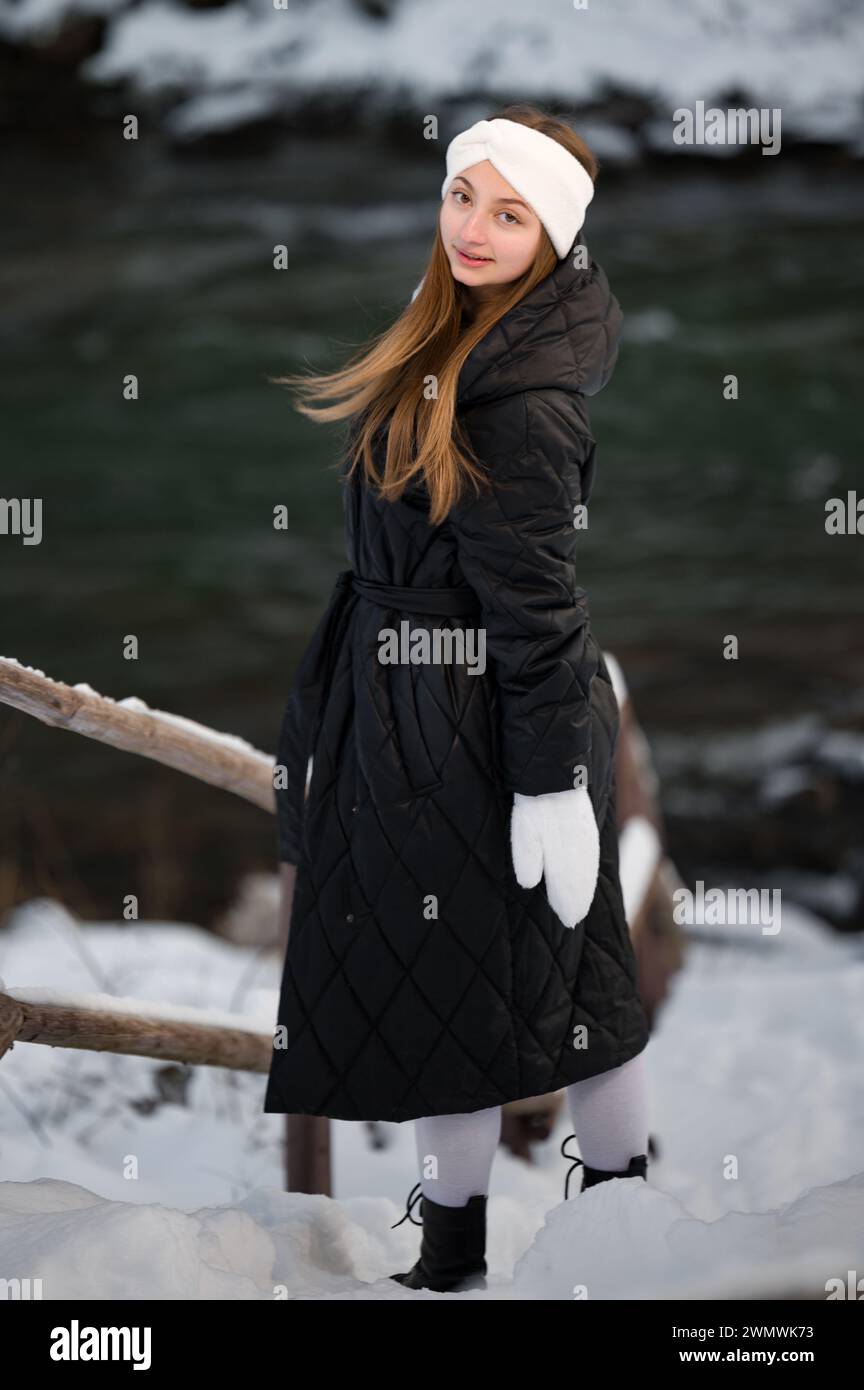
(484, 217)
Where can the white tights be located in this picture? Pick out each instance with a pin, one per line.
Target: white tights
(610, 1121)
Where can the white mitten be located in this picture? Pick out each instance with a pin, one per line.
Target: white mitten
(555, 834)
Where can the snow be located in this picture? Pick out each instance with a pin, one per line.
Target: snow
(616, 675)
(191, 726)
(118, 1186)
(762, 751)
(640, 852)
(34, 670)
(244, 60)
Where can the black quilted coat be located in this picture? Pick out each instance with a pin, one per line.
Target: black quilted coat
(420, 978)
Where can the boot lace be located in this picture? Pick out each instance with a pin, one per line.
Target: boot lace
(412, 1202)
(574, 1165)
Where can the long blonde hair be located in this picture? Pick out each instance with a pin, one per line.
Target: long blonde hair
(431, 338)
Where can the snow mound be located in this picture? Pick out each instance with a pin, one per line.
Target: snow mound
(618, 1240)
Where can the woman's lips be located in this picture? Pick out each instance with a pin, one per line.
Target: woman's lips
(472, 260)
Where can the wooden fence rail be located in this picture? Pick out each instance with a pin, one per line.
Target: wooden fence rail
(25, 1017)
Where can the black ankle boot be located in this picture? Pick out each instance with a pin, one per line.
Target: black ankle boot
(637, 1168)
(453, 1248)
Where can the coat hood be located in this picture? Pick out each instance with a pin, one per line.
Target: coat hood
(564, 334)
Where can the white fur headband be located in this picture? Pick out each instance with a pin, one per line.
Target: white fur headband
(542, 172)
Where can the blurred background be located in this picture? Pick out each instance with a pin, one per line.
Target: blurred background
(303, 126)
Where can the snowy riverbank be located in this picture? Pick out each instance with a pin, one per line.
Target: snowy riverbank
(220, 68)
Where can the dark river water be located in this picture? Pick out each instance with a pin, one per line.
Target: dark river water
(708, 516)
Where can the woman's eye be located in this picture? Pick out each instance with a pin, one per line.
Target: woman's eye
(459, 193)
(514, 221)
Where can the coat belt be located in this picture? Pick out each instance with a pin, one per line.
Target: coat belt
(456, 602)
(302, 717)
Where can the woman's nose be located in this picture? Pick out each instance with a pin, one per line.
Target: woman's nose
(472, 227)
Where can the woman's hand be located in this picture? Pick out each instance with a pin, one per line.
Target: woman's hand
(555, 834)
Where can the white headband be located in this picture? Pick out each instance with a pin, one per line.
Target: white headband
(542, 172)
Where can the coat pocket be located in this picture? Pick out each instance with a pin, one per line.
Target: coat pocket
(413, 706)
(395, 758)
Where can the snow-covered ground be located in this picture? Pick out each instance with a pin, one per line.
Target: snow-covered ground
(246, 60)
(118, 1183)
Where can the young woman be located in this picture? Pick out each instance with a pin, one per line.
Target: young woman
(457, 932)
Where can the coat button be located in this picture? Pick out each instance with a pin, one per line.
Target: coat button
(354, 810)
(350, 917)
